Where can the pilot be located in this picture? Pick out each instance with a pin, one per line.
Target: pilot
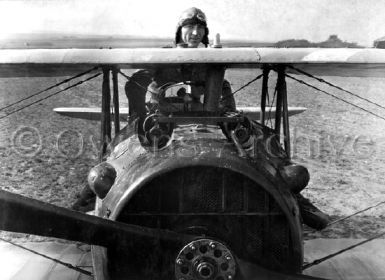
(191, 32)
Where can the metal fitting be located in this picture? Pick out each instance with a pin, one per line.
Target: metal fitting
(205, 270)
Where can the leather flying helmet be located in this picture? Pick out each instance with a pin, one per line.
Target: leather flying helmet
(192, 16)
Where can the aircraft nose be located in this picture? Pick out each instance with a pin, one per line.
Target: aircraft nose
(195, 30)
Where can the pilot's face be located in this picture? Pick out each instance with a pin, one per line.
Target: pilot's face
(192, 34)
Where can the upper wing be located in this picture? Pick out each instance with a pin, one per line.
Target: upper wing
(59, 62)
(93, 41)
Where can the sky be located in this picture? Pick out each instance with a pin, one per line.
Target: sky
(268, 20)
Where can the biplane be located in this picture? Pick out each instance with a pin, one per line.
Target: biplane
(190, 192)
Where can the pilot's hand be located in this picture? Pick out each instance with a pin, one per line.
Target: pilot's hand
(156, 92)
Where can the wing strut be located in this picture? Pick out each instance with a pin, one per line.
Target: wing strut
(105, 133)
(105, 130)
(286, 130)
(115, 100)
(278, 111)
(265, 93)
(282, 109)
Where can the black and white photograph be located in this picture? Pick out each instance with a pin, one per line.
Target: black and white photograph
(192, 140)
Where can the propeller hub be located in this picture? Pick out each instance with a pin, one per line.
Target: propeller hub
(205, 270)
(205, 259)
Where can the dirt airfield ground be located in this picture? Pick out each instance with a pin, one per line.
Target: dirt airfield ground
(47, 156)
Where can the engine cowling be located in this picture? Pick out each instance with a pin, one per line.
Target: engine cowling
(219, 203)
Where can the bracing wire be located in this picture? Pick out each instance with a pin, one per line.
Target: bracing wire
(332, 95)
(351, 215)
(68, 265)
(320, 260)
(49, 88)
(249, 83)
(242, 87)
(48, 96)
(354, 214)
(335, 86)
